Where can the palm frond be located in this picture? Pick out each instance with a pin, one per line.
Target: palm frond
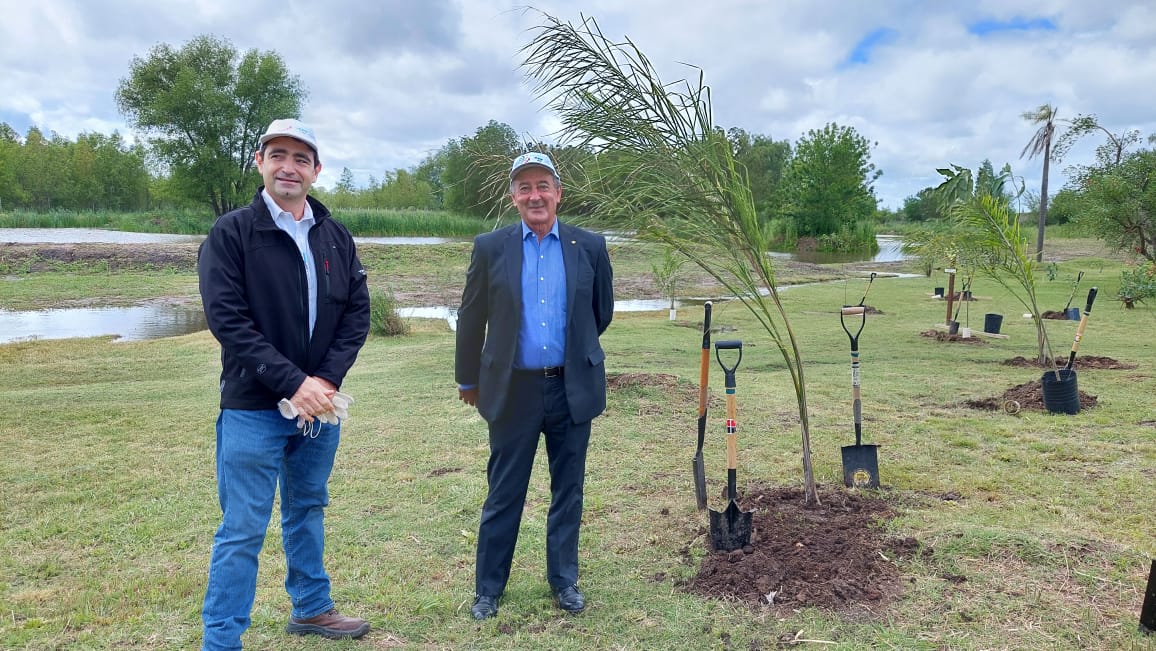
(664, 170)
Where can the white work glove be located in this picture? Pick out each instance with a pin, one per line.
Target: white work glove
(341, 402)
(340, 411)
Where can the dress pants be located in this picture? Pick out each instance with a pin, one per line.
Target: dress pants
(536, 406)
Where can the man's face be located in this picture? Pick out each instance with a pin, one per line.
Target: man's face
(288, 168)
(536, 194)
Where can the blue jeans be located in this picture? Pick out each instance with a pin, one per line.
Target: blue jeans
(257, 451)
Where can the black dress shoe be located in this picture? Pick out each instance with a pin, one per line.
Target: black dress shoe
(484, 607)
(569, 598)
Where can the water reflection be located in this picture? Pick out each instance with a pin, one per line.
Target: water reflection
(890, 250)
(126, 323)
(88, 236)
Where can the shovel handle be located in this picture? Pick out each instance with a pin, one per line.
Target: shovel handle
(732, 445)
(1080, 329)
(704, 361)
(729, 371)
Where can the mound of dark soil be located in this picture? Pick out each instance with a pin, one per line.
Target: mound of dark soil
(940, 335)
(832, 556)
(1026, 396)
(1082, 362)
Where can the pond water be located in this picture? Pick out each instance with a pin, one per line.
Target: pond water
(890, 250)
(156, 321)
(126, 323)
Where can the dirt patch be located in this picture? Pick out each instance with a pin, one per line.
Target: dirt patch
(940, 335)
(28, 258)
(1082, 362)
(1028, 396)
(832, 556)
(616, 381)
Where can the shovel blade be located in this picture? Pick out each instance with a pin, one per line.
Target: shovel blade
(861, 466)
(731, 529)
(699, 481)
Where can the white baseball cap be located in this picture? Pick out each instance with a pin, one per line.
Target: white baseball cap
(532, 158)
(290, 128)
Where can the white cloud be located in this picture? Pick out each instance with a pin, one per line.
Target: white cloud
(391, 81)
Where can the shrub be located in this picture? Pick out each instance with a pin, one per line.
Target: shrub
(383, 318)
(1137, 283)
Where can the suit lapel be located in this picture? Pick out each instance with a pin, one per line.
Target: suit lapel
(570, 253)
(512, 255)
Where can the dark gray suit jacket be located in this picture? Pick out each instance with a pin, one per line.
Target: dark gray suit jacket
(491, 313)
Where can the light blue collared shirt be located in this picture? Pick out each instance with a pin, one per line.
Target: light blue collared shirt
(299, 231)
(542, 335)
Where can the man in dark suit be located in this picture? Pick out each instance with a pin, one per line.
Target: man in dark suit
(538, 294)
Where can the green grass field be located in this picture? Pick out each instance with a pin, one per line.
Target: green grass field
(1038, 528)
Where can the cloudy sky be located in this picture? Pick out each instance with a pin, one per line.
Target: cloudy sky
(390, 81)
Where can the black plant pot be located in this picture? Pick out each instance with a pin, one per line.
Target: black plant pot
(1061, 396)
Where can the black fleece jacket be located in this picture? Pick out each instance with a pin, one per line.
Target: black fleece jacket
(253, 287)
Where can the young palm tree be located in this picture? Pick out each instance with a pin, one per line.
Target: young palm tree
(663, 170)
(996, 246)
(1041, 143)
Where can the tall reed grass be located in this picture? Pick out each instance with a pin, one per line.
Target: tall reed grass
(361, 222)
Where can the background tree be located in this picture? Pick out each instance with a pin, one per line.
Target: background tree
(43, 170)
(829, 181)
(1110, 153)
(1118, 202)
(474, 166)
(206, 106)
(11, 194)
(920, 207)
(765, 161)
(1041, 143)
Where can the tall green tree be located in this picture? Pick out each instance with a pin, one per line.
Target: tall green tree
(765, 161)
(1118, 202)
(829, 181)
(11, 194)
(43, 170)
(205, 105)
(475, 176)
(1041, 143)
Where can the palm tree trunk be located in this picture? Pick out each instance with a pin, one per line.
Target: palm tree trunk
(1043, 202)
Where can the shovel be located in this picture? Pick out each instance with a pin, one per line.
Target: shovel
(730, 529)
(860, 462)
(1080, 328)
(703, 374)
(1071, 296)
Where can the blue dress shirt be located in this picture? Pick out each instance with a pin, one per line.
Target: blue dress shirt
(542, 336)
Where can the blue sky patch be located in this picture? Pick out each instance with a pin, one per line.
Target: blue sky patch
(861, 53)
(1017, 24)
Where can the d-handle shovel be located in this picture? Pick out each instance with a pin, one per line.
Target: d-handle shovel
(703, 375)
(860, 462)
(731, 529)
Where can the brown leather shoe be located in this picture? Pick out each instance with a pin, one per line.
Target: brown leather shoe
(332, 625)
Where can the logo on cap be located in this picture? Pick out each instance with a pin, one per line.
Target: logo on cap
(532, 158)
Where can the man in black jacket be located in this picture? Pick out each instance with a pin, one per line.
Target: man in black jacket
(538, 295)
(285, 295)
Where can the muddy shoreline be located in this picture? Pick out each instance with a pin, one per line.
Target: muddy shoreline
(410, 288)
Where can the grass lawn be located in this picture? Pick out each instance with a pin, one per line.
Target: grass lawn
(1036, 529)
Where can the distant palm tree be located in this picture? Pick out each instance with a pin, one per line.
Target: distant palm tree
(1041, 143)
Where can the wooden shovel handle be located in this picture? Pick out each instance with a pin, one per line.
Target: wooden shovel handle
(732, 431)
